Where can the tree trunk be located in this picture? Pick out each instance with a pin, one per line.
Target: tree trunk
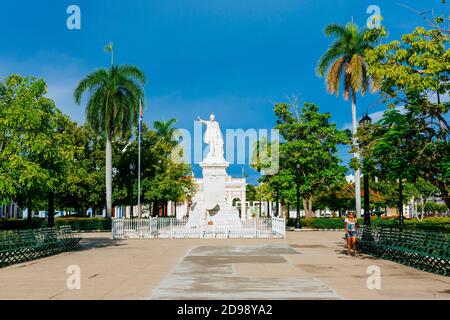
(444, 194)
(51, 209)
(400, 200)
(310, 206)
(30, 213)
(288, 210)
(108, 177)
(260, 208)
(155, 208)
(424, 203)
(356, 156)
(307, 207)
(442, 128)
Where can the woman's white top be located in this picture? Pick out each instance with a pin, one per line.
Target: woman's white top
(351, 225)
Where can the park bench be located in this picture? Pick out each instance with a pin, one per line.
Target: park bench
(26, 245)
(428, 251)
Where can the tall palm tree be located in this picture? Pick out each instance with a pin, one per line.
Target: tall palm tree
(344, 62)
(165, 129)
(112, 108)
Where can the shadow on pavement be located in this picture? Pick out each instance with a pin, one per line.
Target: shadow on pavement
(343, 253)
(94, 243)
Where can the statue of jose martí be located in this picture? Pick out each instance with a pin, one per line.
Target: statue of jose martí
(213, 137)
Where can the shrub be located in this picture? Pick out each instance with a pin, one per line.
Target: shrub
(433, 208)
(430, 224)
(85, 224)
(9, 236)
(77, 224)
(17, 224)
(318, 223)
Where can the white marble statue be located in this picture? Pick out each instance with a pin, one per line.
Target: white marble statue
(210, 206)
(213, 137)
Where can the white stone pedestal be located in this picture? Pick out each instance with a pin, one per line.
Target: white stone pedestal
(209, 205)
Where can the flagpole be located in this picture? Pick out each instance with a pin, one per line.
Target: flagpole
(139, 160)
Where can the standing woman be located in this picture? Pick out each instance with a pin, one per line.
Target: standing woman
(350, 232)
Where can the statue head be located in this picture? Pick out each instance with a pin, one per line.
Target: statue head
(212, 117)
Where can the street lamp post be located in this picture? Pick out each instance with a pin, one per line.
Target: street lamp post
(364, 123)
(298, 224)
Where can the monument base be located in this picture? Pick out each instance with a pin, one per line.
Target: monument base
(225, 216)
(209, 205)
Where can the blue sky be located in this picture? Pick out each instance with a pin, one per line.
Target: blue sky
(233, 58)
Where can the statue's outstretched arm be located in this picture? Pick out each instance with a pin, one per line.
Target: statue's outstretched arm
(200, 120)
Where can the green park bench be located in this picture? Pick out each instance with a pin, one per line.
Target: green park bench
(26, 245)
(428, 251)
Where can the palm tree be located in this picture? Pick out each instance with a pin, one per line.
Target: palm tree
(165, 129)
(344, 62)
(112, 108)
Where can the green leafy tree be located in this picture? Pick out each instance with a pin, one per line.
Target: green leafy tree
(344, 61)
(112, 108)
(35, 147)
(264, 192)
(251, 192)
(424, 191)
(84, 184)
(311, 142)
(281, 185)
(171, 183)
(414, 77)
(162, 179)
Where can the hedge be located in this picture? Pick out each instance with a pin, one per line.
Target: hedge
(85, 224)
(8, 235)
(77, 224)
(430, 224)
(318, 223)
(17, 224)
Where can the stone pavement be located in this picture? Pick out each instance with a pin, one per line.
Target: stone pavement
(226, 272)
(306, 265)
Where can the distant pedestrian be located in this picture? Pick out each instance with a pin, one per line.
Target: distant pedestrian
(350, 232)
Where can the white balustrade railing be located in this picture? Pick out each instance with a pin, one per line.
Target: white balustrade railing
(279, 226)
(177, 228)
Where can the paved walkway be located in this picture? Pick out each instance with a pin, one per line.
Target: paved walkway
(306, 265)
(227, 272)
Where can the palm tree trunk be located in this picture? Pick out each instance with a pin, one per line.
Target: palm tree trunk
(356, 156)
(108, 177)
